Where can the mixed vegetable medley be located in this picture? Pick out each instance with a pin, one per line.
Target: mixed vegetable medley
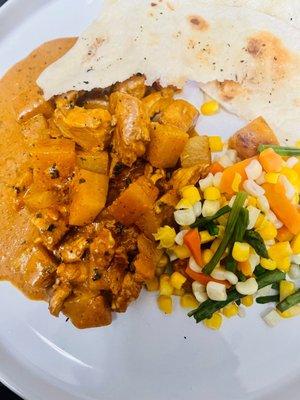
(237, 238)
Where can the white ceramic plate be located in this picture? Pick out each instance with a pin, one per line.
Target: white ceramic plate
(143, 354)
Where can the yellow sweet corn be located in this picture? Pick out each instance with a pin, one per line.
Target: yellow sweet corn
(210, 108)
(215, 144)
(280, 251)
(241, 251)
(181, 252)
(207, 255)
(177, 280)
(284, 265)
(165, 286)
(261, 220)
(297, 144)
(247, 301)
(267, 230)
(166, 236)
(188, 301)
(296, 244)
(152, 285)
(230, 310)
(206, 237)
(236, 182)
(190, 193)
(212, 193)
(292, 175)
(272, 177)
(215, 322)
(286, 288)
(178, 292)
(252, 201)
(165, 304)
(268, 264)
(183, 204)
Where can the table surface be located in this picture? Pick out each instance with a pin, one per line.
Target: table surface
(4, 392)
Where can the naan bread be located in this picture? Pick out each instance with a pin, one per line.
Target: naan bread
(173, 41)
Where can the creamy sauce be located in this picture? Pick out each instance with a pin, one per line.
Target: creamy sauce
(19, 93)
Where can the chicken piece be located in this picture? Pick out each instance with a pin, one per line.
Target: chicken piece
(115, 274)
(90, 129)
(102, 249)
(196, 151)
(147, 259)
(51, 226)
(129, 292)
(60, 294)
(40, 268)
(131, 133)
(246, 140)
(166, 145)
(72, 274)
(188, 176)
(135, 86)
(73, 249)
(157, 102)
(87, 310)
(165, 206)
(181, 114)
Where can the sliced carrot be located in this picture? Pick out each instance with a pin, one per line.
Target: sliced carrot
(216, 167)
(284, 235)
(230, 172)
(282, 207)
(192, 241)
(270, 161)
(203, 278)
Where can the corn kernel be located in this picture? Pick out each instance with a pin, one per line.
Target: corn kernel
(165, 286)
(215, 322)
(166, 236)
(183, 204)
(181, 252)
(236, 182)
(215, 144)
(297, 144)
(252, 201)
(286, 288)
(241, 251)
(152, 285)
(285, 264)
(212, 193)
(165, 304)
(190, 193)
(178, 292)
(280, 250)
(177, 280)
(267, 230)
(188, 301)
(230, 310)
(291, 174)
(272, 177)
(247, 301)
(296, 244)
(210, 108)
(245, 268)
(260, 221)
(268, 264)
(206, 237)
(207, 255)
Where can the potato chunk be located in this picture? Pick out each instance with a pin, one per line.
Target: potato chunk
(135, 205)
(196, 151)
(181, 114)
(166, 145)
(246, 140)
(94, 162)
(88, 197)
